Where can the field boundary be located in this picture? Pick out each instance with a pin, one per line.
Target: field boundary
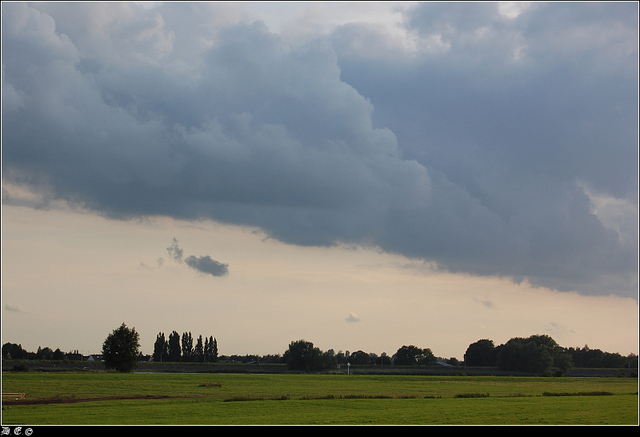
(14, 395)
(43, 401)
(270, 368)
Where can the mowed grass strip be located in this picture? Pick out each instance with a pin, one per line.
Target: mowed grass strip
(316, 399)
(616, 410)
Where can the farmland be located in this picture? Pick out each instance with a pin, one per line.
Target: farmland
(103, 398)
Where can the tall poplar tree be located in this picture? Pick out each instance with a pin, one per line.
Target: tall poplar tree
(198, 352)
(175, 352)
(211, 350)
(187, 347)
(160, 349)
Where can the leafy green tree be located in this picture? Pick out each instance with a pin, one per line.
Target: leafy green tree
(525, 355)
(592, 357)
(480, 353)
(359, 358)
(383, 359)
(564, 362)
(632, 362)
(14, 351)
(587, 357)
(412, 355)
(44, 353)
(329, 361)
(613, 360)
(121, 349)
(175, 353)
(548, 343)
(536, 358)
(341, 357)
(302, 355)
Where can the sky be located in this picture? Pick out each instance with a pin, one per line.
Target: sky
(359, 175)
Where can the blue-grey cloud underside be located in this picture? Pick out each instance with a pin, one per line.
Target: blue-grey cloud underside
(478, 155)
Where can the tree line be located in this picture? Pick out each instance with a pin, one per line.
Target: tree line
(15, 351)
(540, 353)
(121, 349)
(178, 348)
(303, 356)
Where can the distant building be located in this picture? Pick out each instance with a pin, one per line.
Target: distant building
(74, 356)
(443, 362)
(145, 358)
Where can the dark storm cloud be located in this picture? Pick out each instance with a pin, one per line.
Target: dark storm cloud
(266, 136)
(519, 120)
(486, 151)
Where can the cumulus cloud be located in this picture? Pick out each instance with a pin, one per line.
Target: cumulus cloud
(205, 264)
(470, 148)
(353, 317)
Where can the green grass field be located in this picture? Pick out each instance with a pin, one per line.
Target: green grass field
(231, 399)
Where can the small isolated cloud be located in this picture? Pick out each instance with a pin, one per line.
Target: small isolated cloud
(485, 303)
(145, 266)
(353, 318)
(207, 265)
(557, 330)
(174, 251)
(14, 308)
(203, 264)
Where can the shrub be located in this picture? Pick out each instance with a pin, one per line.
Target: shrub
(20, 368)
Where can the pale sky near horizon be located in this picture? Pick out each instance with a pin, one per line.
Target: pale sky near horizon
(360, 175)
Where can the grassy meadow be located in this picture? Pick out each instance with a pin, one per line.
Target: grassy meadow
(98, 398)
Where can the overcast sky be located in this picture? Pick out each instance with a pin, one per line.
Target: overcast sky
(360, 175)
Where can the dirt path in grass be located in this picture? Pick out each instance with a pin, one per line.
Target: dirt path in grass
(104, 398)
